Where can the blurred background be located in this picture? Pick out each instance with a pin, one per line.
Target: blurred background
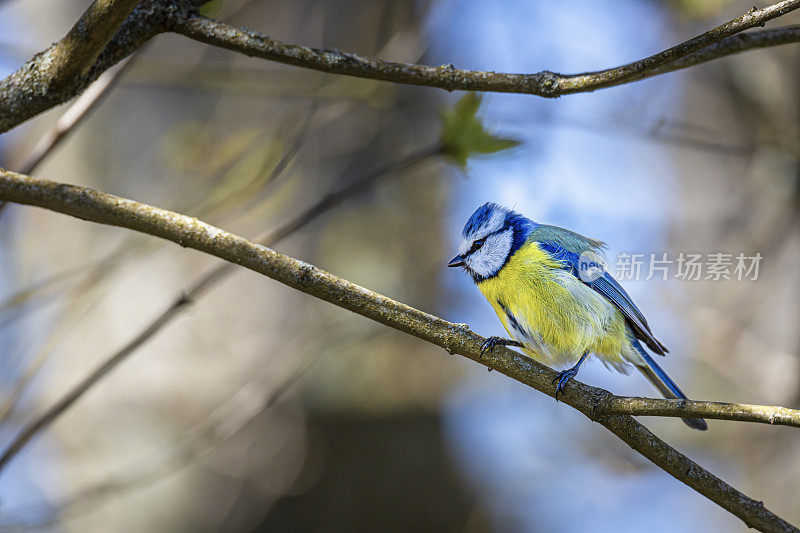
(260, 408)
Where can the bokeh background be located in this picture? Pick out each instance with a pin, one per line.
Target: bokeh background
(263, 409)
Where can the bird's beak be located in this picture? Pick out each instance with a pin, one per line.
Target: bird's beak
(457, 261)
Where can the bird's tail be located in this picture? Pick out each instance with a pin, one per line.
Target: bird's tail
(656, 375)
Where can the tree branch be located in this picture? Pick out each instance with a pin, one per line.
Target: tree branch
(74, 54)
(545, 83)
(763, 414)
(30, 91)
(92, 205)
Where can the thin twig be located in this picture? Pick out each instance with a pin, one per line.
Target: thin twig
(763, 414)
(192, 444)
(73, 116)
(545, 83)
(92, 205)
(20, 100)
(221, 424)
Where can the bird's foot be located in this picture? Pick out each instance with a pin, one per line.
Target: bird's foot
(562, 378)
(491, 342)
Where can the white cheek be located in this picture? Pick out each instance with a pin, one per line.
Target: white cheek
(487, 261)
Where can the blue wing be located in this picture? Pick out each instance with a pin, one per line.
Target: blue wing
(611, 291)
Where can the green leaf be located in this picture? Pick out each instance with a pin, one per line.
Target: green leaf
(463, 134)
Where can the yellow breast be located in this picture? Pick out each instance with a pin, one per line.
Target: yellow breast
(554, 314)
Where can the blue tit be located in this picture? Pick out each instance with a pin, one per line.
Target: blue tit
(530, 274)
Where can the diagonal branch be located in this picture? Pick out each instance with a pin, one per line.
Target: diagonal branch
(92, 205)
(208, 280)
(544, 83)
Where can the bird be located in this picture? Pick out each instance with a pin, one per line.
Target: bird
(556, 301)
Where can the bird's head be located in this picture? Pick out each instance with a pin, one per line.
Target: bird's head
(490, 237)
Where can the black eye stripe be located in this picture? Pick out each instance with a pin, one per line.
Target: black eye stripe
(476, 246)
(480, 242)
